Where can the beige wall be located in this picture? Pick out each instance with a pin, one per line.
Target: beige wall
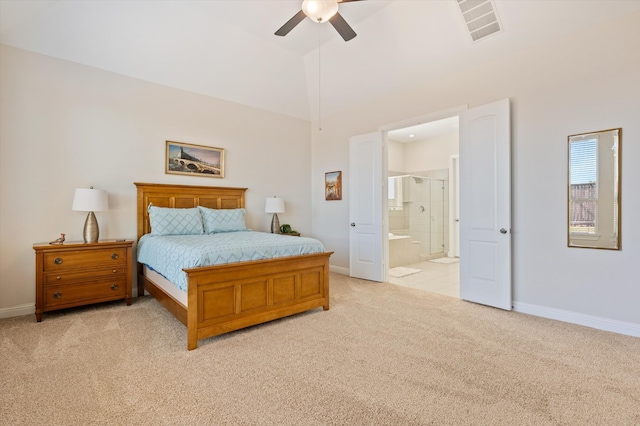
(586, 82)
(65, 125)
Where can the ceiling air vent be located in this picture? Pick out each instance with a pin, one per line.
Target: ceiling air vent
(481, 18)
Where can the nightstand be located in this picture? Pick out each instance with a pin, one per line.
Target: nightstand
(76, 274)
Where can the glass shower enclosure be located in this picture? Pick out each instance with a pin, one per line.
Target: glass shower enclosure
(418, 209)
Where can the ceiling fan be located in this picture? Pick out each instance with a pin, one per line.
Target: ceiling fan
(320, 11)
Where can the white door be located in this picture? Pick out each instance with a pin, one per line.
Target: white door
(485, 205)
(365, 207)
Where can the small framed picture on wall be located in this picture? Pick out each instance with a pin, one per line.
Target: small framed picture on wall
(333, 186)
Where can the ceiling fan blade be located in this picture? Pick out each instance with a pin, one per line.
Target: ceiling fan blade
(291, 23)
(342, 27)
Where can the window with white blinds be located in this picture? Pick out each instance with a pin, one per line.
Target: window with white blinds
(583, 186)
(584, 161)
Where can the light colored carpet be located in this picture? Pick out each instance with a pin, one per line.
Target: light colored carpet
(446, 260)
(383, 355)
(401, 271)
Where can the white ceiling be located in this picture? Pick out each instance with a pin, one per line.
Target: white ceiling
(227, 49)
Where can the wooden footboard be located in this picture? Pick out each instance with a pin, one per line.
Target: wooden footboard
(229, 297)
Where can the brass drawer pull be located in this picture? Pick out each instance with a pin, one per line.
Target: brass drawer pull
(114, 271)
(57, 295)
(114, 287)
(58, 277)
(114, 256)
(57, 261)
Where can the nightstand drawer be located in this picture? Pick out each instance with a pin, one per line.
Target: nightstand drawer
(84, 259)
(94, 292)
(64, 277)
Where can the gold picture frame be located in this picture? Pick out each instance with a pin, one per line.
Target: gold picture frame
(595, 190)
(333, 186)
(194, 160)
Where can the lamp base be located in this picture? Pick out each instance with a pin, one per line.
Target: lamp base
(275, 224)
(91, 232)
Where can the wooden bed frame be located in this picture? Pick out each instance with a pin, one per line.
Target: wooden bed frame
(229, 297)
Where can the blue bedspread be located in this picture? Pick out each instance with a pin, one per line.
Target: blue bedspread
(168, 254)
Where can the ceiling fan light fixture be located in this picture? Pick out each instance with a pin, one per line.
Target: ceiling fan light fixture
(320, 10)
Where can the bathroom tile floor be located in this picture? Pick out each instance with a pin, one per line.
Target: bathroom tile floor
(434, 277)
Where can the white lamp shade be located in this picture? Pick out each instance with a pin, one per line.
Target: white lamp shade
(274, 205)
(90, 200)
(320, 10)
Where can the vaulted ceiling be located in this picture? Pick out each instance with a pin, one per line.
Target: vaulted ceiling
(227, 48)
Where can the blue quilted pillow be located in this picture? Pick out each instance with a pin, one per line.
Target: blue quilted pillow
(223, 220)
(165, 221)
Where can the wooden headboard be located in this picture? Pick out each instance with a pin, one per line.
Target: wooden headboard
(184, 197)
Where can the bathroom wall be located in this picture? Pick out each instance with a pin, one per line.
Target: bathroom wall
(431, 154)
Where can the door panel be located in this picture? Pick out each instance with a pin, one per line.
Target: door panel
(485, 205)
(454, 211)
(365, 207)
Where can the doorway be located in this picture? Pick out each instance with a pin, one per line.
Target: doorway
(422, 191)
(485, 271)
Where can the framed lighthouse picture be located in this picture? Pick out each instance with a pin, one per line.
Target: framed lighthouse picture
(194, 160)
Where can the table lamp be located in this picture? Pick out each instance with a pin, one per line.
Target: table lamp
(274, 205)
(90, 200)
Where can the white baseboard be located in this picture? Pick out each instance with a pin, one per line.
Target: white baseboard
(17, 311)
(339, 270)
(606, 324)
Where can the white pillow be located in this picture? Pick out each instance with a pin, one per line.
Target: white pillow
(223, 220)
(166, 221)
